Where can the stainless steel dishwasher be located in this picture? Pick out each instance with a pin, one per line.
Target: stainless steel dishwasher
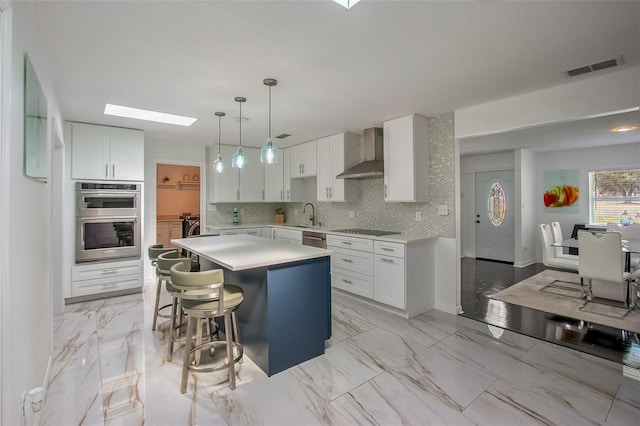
(315, 239)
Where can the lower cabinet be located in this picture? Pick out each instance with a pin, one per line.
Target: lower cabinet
(288, 235)
(395, 274)
(389, 282)
(97, 278)
(167, 231)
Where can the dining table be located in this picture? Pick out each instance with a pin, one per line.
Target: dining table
(628, 247)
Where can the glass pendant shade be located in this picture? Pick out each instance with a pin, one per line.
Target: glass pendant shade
(238, 160)
(269, 153)
(218, 165)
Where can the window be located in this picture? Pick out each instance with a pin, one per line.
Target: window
(497, 204)
(614, 195)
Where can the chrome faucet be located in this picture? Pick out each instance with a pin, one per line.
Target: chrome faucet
(312, 218)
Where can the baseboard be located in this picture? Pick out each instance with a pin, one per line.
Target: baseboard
(524, 264)
(453, 310)
(37, 419)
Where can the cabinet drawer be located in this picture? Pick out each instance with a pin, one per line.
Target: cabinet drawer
(359, 284)
(362, 244)
(352, 260)
(103, 285)
(287, 234)
(388, 249)
(105, 270)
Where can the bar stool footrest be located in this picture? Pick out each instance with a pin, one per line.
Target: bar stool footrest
(216, 361)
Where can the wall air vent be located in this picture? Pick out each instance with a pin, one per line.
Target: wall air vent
(595, 67)
(283, 135)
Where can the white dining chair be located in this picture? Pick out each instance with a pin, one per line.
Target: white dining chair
(556, 231)
(549, 257)
(632, 233)
(601, 267)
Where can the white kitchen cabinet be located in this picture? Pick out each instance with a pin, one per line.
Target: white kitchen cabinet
(94, 279)
(406, 159)
(288, 235)
(293, 189)
(233, 185)
(252, 177)
(303, 160)
(352, 264)
(389, 278)
(274, 181)
(334, 155)
(237, 231)
(106, 153)
(167, 231)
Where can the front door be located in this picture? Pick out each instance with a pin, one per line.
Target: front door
(494, 216)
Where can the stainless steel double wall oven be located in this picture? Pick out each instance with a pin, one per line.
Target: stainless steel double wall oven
(107, 221)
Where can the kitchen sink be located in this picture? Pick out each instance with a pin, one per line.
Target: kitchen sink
(300, 226)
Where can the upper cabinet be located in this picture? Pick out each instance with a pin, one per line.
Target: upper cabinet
(406, 159)
(303, 160)
(278, 185)
(106, 153)
(233, 185)
(335, 154)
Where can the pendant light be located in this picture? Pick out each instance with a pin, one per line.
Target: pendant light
(269, 152)
(239, 160)
(218, 165)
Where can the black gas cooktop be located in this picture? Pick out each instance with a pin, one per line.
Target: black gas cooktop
(360, 231)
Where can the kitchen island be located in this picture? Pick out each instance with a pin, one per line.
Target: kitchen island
(285, 318)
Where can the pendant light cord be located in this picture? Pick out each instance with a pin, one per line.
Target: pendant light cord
(269, 113)
(219, 132)
(240, 143)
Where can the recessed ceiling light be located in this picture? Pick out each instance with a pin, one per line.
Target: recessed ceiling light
(623, 128)
(347, 3)
(144, 114)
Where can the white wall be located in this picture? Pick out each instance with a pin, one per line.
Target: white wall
(26, 335)
(585, 160)
(168, 153)
(526, 200)
(578, 99)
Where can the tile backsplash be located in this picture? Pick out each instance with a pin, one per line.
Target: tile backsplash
(371, 211)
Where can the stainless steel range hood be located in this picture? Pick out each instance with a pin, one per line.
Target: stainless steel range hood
(373, 164)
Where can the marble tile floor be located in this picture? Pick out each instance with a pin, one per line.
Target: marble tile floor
(111, 369)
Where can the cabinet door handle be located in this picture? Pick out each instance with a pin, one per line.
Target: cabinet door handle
(347, 243)
(385, 191)
(383, 259)
(237, 195)
(109, 271)
(347, 260)
(326, 192)
(109, 285)
(113, 171)
(106, 170)
(288, 195)
(281, 194)
(263, 194)
(386, 249)
(302, 168)
(347, 281)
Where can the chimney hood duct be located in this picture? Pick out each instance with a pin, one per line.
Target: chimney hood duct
(373, 164)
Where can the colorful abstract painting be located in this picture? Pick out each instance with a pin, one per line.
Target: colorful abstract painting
(561, 191)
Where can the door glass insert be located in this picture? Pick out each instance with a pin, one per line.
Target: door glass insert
(496, 204)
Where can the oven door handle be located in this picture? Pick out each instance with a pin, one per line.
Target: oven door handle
(104, 219)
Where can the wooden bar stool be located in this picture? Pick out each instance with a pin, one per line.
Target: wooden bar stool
(204, 296)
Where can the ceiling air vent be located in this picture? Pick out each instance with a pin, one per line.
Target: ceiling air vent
(595, 67)
(283, 135)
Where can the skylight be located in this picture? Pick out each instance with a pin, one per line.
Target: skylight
(347, 3)
(143, 114)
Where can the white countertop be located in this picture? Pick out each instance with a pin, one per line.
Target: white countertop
(238, 252)
(402, 238)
